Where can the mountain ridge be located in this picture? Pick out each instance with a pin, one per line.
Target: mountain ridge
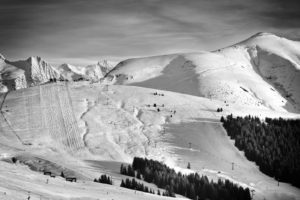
(35, 71)
(265, 66)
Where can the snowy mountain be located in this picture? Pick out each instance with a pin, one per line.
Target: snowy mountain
(69, 72)
(91, 72)
(25, 73)
(35, 71)
(164, 108)
(263, 70)
(11, 77)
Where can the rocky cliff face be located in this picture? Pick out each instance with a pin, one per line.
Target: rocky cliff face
(99, 70)
(11, 77)
(41, 71)
(20, 82)
(91, 72)
(36, 70)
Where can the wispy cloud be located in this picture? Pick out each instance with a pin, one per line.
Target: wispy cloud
(92, 29)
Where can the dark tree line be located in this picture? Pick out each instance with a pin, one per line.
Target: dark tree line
(134, 185)
(192, 186)
(129, 171)
(104, 179)
(274, 144)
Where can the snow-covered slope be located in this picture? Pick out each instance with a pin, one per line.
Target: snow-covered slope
(263, 70)
(277, 60)
(65, 125)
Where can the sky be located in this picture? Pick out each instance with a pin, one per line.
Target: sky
(83, 31)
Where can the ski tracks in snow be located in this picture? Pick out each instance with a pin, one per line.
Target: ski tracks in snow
(59, 118)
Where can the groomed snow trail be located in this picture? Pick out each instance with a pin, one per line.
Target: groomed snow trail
(8, 135)
(59, 117)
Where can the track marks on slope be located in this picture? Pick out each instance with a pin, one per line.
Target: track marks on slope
(59, 117)
(4, 120)
(89, 106)
(33, 114)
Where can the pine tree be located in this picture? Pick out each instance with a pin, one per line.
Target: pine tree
(122, 183)
(222, 119)
(189, 165)
(14, 159)
(138, 175)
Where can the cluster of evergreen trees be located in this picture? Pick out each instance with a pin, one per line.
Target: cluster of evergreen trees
(219, 109)
(192, 186)
(104, 179)
(134, 185)
(129, 171)
(274, 144)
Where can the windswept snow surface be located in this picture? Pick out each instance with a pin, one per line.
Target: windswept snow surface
(263, 71)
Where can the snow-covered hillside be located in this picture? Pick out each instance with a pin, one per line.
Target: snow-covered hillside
(89, 129)
(263, 70)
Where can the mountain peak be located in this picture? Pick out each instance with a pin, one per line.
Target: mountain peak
(259, 34)
(2, 57)
(106, 63)
(34, 58)
(65, 65)
(261, 39)
(103, 62)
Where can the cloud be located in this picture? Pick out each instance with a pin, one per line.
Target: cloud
(281, 14)
(92, 29)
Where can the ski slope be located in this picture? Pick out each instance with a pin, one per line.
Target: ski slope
(68, 126)
(59, 118)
